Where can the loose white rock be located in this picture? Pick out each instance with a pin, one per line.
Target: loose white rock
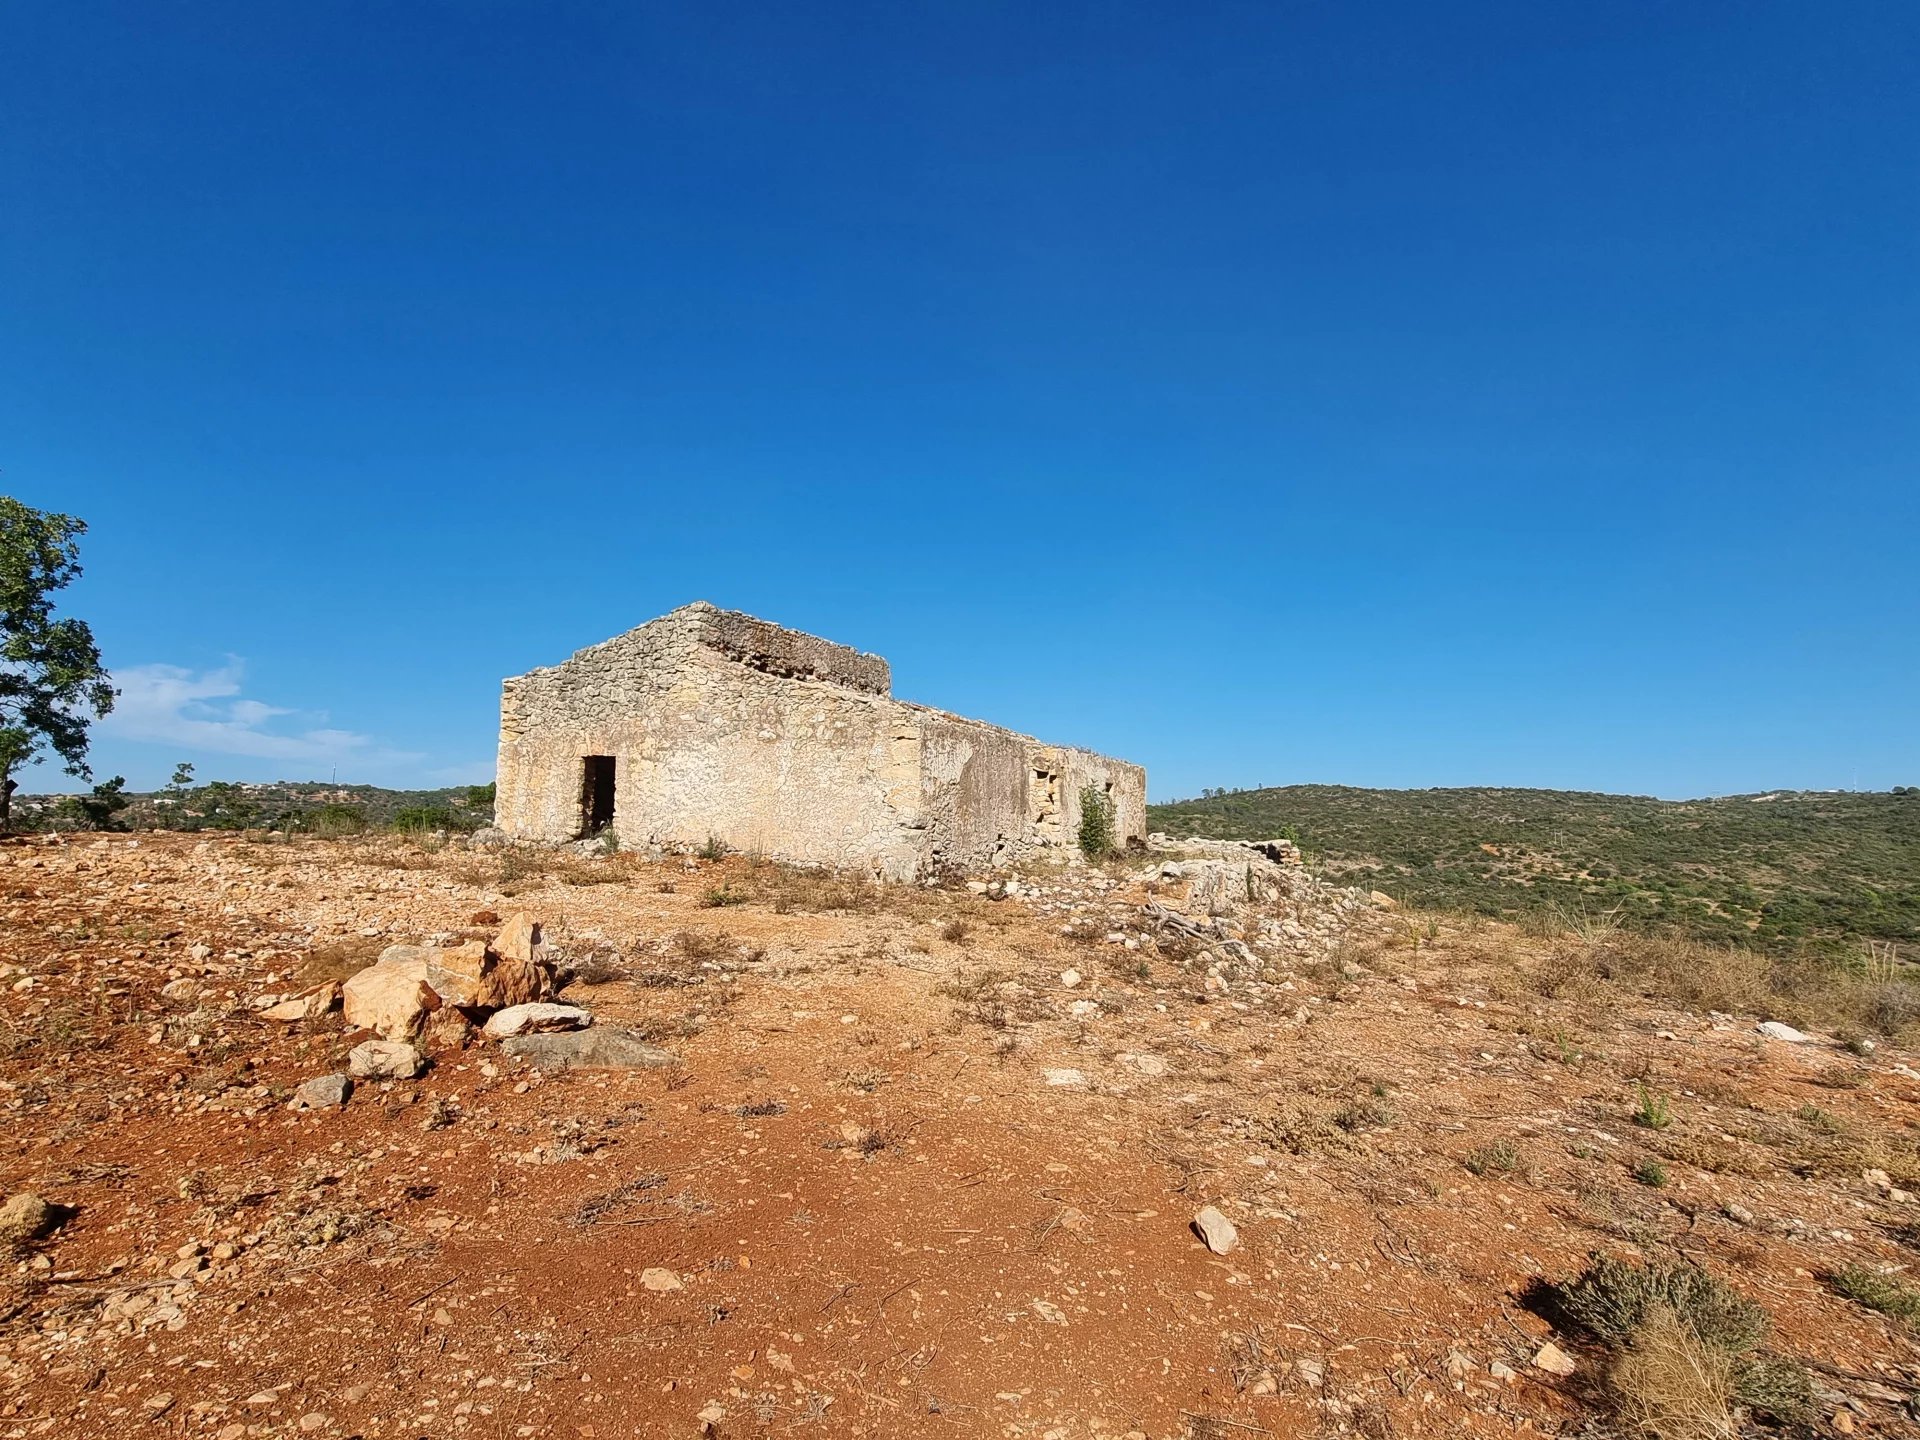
(385, 1060)
(1555, 1361)
(1216, 1230)
(539, 1018)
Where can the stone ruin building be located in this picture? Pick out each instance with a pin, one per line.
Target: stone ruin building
(709, 725)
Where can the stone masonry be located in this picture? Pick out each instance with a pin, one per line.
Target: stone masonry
(709, 724)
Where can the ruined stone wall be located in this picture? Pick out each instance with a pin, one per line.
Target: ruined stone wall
(722, 726)
(713, 734)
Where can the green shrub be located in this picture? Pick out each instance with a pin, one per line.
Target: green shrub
(1499, 1158)
(336, 820)
(419, 819)
(714, 849)
(1877, 1292)
(1641, 1311)
(1096, 823)
(1612, 1299)
(1655, 1111)
(97, 811)
(1651, 1173)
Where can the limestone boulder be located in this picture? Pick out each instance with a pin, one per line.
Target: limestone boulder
(519, 973)
(458, 975)
(514, 982)
(520, 939)
(449, 1029)
(392, 999)
(323, 1092)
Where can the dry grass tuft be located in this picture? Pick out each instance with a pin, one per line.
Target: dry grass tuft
(1669, 1384)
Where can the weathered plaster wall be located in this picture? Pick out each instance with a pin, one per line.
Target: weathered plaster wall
(724, 726)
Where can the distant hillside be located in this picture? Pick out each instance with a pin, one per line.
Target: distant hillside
(273, 805)
(1779, 870)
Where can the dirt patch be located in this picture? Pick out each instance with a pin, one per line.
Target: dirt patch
(906, 1180)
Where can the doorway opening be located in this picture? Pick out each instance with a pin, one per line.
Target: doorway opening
(596, 794)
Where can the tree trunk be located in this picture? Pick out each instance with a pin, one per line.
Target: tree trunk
(7, 787)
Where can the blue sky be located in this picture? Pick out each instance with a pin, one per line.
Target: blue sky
(1386, 394)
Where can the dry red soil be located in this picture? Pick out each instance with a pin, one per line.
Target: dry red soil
(895, 1186)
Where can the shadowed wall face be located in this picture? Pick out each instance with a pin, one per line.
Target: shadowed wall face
(711, 725)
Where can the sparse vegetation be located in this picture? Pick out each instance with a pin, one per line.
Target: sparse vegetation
(1786, 873)
(335, 820)
(1498, 1158)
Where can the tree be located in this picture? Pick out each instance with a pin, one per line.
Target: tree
(176, 801)
(225, 806)
(96, 811)
(52, 685)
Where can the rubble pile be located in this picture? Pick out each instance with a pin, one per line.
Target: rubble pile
(1243, 913)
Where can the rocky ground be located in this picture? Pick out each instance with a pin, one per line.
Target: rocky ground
(923, 1161)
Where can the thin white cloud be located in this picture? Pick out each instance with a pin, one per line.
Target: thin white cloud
(203, 710)
(473, 772)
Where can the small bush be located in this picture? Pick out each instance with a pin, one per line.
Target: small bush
(1364, 1114)
(1890, 1007)
(1613, 1299)
(1499, 1158)
(1670, 1383)
(1651, 1173)
(1655, 1111)
(1818, 1120)
(1877, 1292)
(714, 849)
(421, 819)
(1096, 823)
(1687, 1347)
(723, 895)
(1774, 1385)
(332, 820)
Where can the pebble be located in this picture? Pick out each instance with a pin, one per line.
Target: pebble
(323, 1092)
(385, 1060)
(1555, 1361)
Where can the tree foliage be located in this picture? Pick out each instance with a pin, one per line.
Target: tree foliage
(52, 685)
